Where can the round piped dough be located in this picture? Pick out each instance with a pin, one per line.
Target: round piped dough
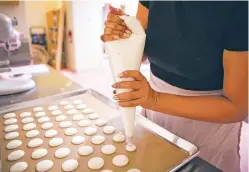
(120, 160)
(67, 107)
(96, 163)
(29, 126)
(55, 142)
(97, 140)
(81, 106)
(77, 140)
(44, 165)
(32, 133)
(47, 125)
(39, 153)
(70, 131)
(40, 114)
(15, 155)
(87, 111)
(9, 115)
(70, 165)
(10, 128)
(43, 119)
(100, 122)
(14, 144)
(109, 129)
(51, 133)
(60, 118)
(78, 117)
(72, 111)
(134, 170)
(108, 149)
(62, 152)
(56, 112)
(37, 109)
(93, 116)
(65, 124)
(84, 123)
(106, 171)
(85, 150)
(11, 135)
(25, 114)
(130, 147)
(19, 167)
(52, 108)
(27, 120)
(76, 102)
(35, 143)
(10, 121)
(63, 102)
(90, 131)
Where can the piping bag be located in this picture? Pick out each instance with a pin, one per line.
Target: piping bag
(126, 54)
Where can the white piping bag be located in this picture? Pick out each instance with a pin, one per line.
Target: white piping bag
(126, 54)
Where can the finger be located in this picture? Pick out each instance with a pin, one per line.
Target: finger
(128, 85)
(115, 26)
(116, 11)
(110, 31)
(133, 74)
(106, 38)
(132, 95)
(131, 103)
(115, 18)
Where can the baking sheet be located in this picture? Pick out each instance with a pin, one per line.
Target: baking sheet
(154, 153)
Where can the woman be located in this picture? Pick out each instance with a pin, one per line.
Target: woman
(198, 52)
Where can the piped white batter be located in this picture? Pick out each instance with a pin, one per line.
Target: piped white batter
(11, 135)
(44, 165)
(14, 144)
(19, 167)
(27, 120)
(52, 108)
(70, 165)
(43, 119)
(25, 114)
(85, 150)
(93, 116)
(51, 133)
(78, 117)
(120, 160)
(100, 122)
(40, 114)
(62, 153)
(60, 118)
(29, 126)
(77, 140)
(39, 153)
(67, 107)
(56, 112)
(106, 171)
(70, 131)
(81, 106)
(10, 128)
(9, 115)
(84, 123)
(55, 142)
(35, 143)
(72, 111)
(36, 109)
(10, 121)
(109, 129)
(47, 125)
(108, 149)
(32, 133)
(90, 131)
(64, 102)
(130, 147)
(65, 124)
(87, 111)
(96, 163)
(15, 155)
(134, 170)
(76, 102)
(98, 139)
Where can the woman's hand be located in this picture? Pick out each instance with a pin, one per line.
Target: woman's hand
(115, 27)
(142, 94)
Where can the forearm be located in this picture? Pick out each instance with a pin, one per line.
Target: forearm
(209, 108)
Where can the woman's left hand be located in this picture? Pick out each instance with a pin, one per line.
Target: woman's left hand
(141, 95)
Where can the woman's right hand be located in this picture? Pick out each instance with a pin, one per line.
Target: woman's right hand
(115, 27)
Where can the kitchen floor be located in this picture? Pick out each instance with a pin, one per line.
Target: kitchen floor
(101, 81)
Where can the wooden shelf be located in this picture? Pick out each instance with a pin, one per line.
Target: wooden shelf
(9, 3)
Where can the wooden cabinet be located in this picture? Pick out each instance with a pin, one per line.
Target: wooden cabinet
(9, 3)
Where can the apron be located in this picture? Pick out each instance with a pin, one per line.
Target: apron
(218, 143)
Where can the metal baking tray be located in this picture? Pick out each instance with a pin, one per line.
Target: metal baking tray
(158, 150)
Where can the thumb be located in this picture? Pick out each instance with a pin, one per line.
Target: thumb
(116, 11)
